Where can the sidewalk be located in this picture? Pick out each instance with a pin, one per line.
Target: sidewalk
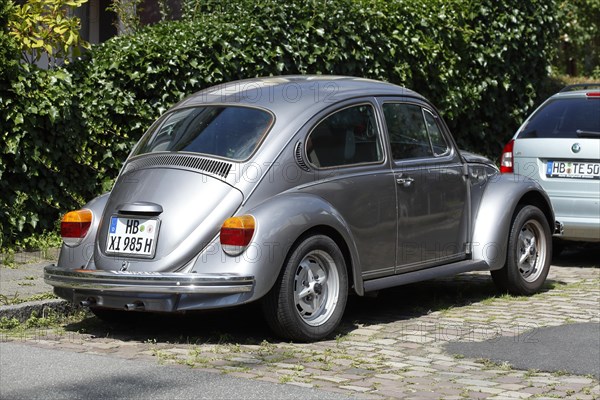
(24, 276)
(22, 286)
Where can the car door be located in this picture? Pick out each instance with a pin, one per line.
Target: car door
(344, 147)
(431, 189)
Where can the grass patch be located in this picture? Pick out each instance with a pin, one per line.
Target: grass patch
(7, 258)
(8, 323)
(39, 326)
(489, 364)
(163, 356)
(531, 372)
(16, 299)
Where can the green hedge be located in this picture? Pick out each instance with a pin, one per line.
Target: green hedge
(8, 49)
(65, 133)
(579, 50)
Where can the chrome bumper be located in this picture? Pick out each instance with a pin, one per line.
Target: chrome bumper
(147, 282)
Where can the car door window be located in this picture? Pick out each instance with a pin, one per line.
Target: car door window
(413, 132)
(346, 137)
(438, 143)
(407, 131)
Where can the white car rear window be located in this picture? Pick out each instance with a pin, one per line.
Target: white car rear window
(565, 118)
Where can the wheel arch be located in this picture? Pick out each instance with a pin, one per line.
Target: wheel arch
(356, 282)
(501, 200)
(535, 198)
(305, 214)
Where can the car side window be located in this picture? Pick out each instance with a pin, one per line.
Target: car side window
(346, 137)
(413, 132)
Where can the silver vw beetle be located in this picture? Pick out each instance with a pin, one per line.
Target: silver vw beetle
(297, 191)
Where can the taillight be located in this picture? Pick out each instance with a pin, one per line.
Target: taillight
(74, 226)
(507, 160)
(236, 234)
(593, 94)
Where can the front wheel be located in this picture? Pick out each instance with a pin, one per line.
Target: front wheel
(308, 300)
(529, 253)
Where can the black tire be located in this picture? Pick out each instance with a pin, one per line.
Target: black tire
(529, 253)
(309, 297)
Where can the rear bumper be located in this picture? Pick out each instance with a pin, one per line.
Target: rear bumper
(580, 217)
(579, 229)
(147, 282)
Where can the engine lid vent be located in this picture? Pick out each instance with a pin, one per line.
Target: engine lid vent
(194, 163)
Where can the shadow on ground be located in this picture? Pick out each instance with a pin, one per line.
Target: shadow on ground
(578, 255)
(246, 325)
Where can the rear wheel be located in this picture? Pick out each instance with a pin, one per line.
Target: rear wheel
(308, 300)
(529, 253)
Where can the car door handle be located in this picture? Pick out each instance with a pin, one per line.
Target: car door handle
(404, 181)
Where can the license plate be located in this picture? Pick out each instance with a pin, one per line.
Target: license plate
(132, 236)
(573, 169)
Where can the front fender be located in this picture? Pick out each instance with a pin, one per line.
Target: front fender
(79, 256)
(503, 194)
(280, 221)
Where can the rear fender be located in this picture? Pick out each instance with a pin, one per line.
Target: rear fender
(280, 222)
(81, 255)
(503, 194)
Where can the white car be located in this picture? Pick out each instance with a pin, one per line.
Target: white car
(559, 146)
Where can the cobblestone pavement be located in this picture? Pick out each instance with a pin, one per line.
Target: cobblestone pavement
(391, 346)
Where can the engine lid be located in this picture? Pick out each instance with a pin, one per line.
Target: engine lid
(158, 219)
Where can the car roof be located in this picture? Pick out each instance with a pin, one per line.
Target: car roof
(276, 93)
(573, 94)
(581, 86)
(578, 90)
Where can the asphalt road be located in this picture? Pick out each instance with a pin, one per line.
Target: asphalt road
(573, 348)
(34, 373)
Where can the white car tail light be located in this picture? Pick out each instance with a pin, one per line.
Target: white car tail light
(507, 160)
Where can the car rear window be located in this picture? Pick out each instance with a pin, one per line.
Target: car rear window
(224, 131)
(564, 118)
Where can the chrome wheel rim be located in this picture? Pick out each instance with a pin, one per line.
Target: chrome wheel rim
(316, 287)
(531, 250)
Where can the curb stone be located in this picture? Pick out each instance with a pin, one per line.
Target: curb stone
(22, 312)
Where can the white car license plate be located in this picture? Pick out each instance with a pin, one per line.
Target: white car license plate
(132, 236)
(573, 169)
